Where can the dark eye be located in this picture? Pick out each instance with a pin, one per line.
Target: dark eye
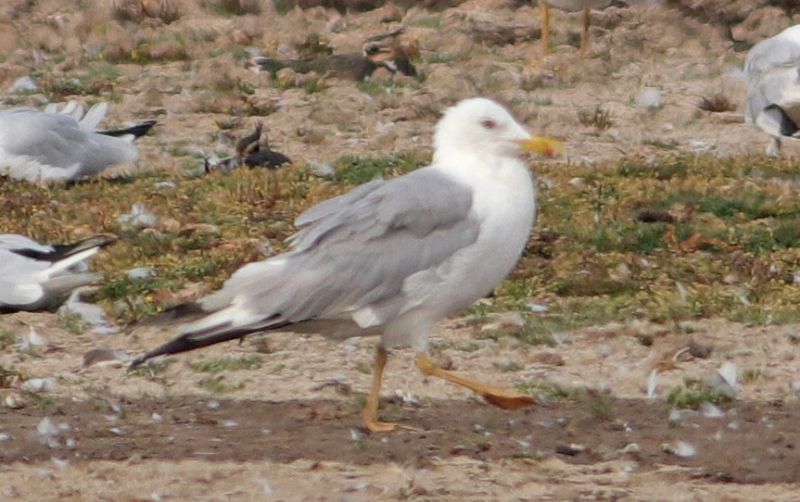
(488, 123)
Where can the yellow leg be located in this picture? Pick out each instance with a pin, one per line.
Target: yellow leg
(370, 412)
(545, 10)
(499, 397)
(585, 33)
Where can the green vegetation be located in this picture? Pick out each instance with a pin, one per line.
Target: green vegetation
(550, 391)
(693, 393)
(219, 365)
(7, 339)
(730, 250)
(217, 385)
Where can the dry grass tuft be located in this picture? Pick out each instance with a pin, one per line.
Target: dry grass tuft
(166, 11)
(599, 119)
(716, 103)
(236, 7)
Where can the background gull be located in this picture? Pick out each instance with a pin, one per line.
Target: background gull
(570, 6)
(773, 86)
(62, 146)
(392, 258)
(36, 276)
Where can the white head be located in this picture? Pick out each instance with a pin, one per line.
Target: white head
(483, 126)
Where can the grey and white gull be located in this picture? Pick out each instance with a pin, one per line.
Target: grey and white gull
(393, 257)
(773, 87)
(54, 146)
(36, 276)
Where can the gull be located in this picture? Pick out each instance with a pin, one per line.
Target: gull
(62, 146)
(773, 86)
(36, 276)
(393, 257)
(569, 6)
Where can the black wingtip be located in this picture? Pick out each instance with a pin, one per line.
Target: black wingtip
(137, 130)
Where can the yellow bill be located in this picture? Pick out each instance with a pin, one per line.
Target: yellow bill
(548, 147)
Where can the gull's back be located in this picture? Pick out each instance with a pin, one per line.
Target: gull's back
(773, 82)
(45, 147)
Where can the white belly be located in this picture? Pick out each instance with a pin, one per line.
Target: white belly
(505, 204)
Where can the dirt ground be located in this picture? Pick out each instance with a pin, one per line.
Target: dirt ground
(289, 428)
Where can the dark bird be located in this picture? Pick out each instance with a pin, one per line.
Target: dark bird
(251, 152)
(381, 51)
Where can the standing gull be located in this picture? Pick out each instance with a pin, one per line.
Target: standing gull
(392, 258)
(570, 6)
(36, 276)
(62, 146)
(773, 86)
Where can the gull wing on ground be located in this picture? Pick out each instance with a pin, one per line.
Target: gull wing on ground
(773, 86)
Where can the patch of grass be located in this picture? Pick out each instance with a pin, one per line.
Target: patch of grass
(98, 78)
(716, 103)
(365, 368)
(71, 322)
(601, 406)
(431, 22)
(7, 339)
(528, 335)
(693, 393)
(549, 391)
(234, 7)
(509, 367)
(379, 87)
(8, 377)
(221, 364)
(598, 118)
(152, 369)
(665, 169)
(358, 170)
(751, 375)
(217, 385)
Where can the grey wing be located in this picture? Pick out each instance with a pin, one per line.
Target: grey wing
(19, 242)
(351, 253)
(773, 85)
(55, 141)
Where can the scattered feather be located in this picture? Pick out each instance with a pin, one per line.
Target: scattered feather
(652, 383)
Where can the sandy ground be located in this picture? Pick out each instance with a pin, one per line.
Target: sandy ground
(289, 430)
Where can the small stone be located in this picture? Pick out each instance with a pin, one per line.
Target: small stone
(13, 401)
(23, 84)
(577, 183)
(700, 351)
(4, 436)
(106, 357)
(538, 308)
(650, 98)
(322, 169)
(37, 385)
(570, 450)
(286, 77)
(631, 448)
(504, 320)
(139, 273)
